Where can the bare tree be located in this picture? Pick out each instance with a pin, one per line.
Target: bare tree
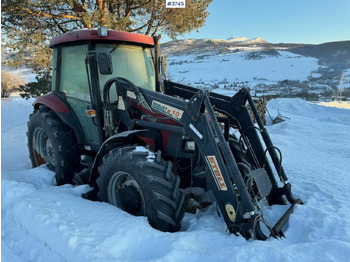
(10, 81)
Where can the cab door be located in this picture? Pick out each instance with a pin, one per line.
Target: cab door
(73, 82)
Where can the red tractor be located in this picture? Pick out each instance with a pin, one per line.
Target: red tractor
(111, 122)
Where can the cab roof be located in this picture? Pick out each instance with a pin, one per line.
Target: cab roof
(91, 35)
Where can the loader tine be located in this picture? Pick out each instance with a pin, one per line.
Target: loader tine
(277, 229)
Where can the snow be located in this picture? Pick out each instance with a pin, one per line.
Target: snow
(44, 222)
(339, 104)
(150, 158)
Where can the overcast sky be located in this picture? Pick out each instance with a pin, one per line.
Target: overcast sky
(277, 21)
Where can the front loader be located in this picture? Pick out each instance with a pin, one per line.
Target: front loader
(139, 142)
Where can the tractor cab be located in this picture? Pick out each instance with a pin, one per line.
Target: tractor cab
(84, 60)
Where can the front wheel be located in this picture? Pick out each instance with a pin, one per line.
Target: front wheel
(141, 183)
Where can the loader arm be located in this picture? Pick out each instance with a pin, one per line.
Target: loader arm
(238, 115)
(198, 121)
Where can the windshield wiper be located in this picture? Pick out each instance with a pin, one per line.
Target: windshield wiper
(114, 48)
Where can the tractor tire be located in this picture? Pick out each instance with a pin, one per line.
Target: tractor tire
(142, 187)
(52, 142)
(238, 152)
(243, 163)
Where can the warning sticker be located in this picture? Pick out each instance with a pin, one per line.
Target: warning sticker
(121, 105)
(130, 94)
(167, 110)
(216, 172)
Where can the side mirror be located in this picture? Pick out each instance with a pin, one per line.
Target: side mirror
(104, 61)
(163, 64)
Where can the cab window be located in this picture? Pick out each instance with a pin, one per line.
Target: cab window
(73, 81)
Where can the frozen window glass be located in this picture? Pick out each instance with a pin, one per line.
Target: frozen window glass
(74, 81)
(131, 62)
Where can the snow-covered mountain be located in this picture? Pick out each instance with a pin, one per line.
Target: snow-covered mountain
(185, 46)
(268, 69)
(237, 39)
(257, 40)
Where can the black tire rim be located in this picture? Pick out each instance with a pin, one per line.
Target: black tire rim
(125, 193)
(42, 148)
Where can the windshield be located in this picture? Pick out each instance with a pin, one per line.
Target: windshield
(131, 62)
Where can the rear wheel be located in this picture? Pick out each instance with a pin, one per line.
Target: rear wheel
(141, 183)
(52, 142)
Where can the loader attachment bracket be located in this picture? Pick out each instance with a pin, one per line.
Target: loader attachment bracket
(195, 105)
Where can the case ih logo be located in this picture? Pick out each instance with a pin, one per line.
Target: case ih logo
(167, 110)
(215, 170)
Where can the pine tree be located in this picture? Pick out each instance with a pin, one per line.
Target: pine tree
(38, 88)
(28, 25)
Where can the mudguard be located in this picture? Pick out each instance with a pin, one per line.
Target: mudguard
(114, 141)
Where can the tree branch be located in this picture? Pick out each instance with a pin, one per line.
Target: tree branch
(77, 7)
(150, 23)
(137, 29)
(40, 13)
(159, 24)
(129, 9)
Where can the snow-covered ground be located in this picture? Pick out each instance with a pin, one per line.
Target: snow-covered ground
(43, 222)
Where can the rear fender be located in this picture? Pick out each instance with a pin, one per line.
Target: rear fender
(63, 111)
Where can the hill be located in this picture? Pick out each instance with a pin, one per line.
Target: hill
(233, 44)
(335, 54)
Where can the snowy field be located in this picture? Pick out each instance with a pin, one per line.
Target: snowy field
(236, 67)
(43, 222)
